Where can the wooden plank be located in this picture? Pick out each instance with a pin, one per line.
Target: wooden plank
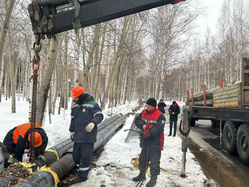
(228, 96)
(227, 88)
(235, 90)
(231, 100)
(235, 94)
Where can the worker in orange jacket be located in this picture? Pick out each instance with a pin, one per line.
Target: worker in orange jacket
(18, 139)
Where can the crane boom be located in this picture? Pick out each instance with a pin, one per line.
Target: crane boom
(50, 17)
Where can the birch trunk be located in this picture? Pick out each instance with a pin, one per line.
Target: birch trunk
(115, 67)
(97, 91)
(3, 33)
(45, 84)
(119, 59)
(64, 74)
(83, 54)
(76, 60)
(11, 75)
(86, 72)
(57, 76)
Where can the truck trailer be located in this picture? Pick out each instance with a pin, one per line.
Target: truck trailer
(228, 107)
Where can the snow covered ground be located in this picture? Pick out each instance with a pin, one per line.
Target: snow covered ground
(114, 167)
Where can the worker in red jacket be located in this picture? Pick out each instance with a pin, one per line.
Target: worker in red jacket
(151, 123)
(18, 139)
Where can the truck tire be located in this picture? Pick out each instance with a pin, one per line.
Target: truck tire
(243, 143)
(229, 137)
(192, 122)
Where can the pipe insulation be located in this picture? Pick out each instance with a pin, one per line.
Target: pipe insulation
(49, 177)
(51, 155)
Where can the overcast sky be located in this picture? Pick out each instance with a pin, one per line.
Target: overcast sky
(211, 13)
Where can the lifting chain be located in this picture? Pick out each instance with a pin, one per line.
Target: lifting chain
(35, 67)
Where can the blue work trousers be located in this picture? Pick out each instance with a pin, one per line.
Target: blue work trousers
(82, 155)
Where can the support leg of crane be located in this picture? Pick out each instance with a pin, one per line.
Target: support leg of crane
(220, 133)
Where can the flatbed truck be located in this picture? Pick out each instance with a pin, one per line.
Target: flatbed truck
(227, 107)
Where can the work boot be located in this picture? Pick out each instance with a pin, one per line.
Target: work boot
(152, 181)
(78, 180)
(140, 177)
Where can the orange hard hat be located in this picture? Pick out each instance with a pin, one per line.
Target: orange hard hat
(76, 91)
(38, 139)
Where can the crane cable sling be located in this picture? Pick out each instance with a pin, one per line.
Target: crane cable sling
(35, 67)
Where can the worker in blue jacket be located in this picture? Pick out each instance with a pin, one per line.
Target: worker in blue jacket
(86, 115)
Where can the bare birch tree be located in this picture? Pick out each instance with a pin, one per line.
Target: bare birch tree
(3, 33)
(45, 83)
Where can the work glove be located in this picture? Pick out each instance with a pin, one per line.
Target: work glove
(71, 135)
(41, 157)
(146, 134)
(12, 159)
(90, 127)
(149, 126)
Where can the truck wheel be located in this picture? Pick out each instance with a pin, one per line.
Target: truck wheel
(243, 143)
(192, 122)
(229, 137)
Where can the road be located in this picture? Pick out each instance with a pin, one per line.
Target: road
(226, 170)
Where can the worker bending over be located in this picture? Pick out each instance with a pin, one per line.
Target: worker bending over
(18, 139)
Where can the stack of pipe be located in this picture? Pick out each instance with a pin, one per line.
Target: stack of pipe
(199, 98)
(50, 176)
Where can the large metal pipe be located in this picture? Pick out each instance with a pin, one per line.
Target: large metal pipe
(47, 177)
(108, 121)
(63, 147)
(51, 155)
(105, 133)
(61, 167)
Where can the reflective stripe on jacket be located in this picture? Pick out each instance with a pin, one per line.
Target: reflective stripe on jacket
(17, 140)
(81, 115)
(156, 118)
(21, 130)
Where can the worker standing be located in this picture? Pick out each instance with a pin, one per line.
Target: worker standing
(85, 116)
(151, 122)
(174, 110)
(18, 139)
(161, 106)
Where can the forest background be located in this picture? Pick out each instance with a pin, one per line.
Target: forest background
(157, 53)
